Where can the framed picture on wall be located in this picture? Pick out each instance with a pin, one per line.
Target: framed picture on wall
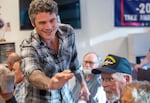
(69, 13)
(5, 49)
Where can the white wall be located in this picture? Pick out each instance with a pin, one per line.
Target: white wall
(97, 34)
(138, 41)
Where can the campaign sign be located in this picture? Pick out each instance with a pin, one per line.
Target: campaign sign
(132, 13)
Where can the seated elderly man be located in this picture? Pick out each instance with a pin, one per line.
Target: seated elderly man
(116, 74)
(136, 92)
(97, 95)
(14, 65)
(10, 76)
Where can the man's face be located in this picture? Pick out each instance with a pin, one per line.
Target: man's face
(46, 25)
(127, 96)
(90, 61)
(112, 85)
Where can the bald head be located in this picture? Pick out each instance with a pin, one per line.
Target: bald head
(93, 56)
(91, 60)
(12, 58)
(14, 65)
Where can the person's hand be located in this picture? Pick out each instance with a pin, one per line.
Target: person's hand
(84, 92)
(59, 79)
(137, 66)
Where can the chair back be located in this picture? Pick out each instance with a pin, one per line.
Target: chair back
(143, 74)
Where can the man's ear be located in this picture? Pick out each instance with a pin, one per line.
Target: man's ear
(128, 78)
(33, 24)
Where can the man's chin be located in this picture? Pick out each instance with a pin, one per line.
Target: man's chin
(111, 97)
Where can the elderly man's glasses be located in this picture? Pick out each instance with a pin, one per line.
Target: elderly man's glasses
(89, 62)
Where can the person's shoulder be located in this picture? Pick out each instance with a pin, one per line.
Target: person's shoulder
(65, 28)
(26, 41)
(30, 40)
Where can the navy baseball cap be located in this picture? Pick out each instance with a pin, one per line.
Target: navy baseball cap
(113, 64)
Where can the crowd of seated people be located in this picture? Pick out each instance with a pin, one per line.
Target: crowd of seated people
(112, 75)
